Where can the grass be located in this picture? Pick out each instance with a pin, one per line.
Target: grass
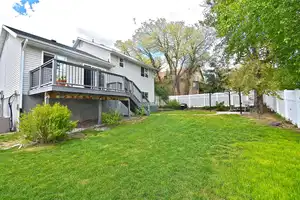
(162, 157)
(189, 112)
(9, 137)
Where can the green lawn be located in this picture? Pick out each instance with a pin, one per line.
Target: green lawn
(188, 112)
(162, 157)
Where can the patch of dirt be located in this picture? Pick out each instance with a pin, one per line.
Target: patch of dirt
(84, 181)
(134, 120)
(269, 118)
(87, 123)
(77, 135)
(4, 145)
(124, 164)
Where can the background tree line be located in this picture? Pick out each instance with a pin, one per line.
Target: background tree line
(241, 45)
(179, 48)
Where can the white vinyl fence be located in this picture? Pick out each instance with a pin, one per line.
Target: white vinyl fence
(288, 105)
(202, 100)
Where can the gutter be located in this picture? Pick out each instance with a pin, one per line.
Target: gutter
(22, 72)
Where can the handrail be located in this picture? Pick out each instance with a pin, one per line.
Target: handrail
(97, 69)
(43, 65)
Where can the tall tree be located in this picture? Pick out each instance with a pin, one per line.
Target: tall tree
(180, 46)
(257, 76)
(271, 25)
(216, 78)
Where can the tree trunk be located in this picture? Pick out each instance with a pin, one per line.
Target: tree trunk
(260, 104)
(187, 84)
(178, 86)
(174, 86)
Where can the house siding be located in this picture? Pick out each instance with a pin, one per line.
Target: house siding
(33, 59)
(10, 75)
(133, 72)
(94, 50)
(10, 66)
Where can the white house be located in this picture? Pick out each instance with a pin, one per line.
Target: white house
(36, 70)
(141, 74)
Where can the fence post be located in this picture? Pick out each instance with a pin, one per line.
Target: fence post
(286, 109)
(297, 95)
(189, 96)
(240, 97)
(229, 100)
(210, 101)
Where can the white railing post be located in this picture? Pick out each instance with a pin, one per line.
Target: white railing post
(189, 100)
(54, 65)
(40, 76)
(97, 81)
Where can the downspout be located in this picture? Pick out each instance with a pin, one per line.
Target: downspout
(22, 73)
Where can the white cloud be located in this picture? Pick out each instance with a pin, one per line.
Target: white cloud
(105, 21)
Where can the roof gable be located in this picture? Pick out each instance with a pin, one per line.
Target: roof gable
(114, 52)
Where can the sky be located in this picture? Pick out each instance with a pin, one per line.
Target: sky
(105, 21)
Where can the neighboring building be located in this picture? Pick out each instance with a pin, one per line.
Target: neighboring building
(191, 86)
(35, 70)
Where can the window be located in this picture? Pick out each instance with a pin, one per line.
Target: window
(144, 72)
(145, 95)
(47, 57)
(47, 71)
(121, 62)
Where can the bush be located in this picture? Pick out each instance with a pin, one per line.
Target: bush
(46, 123)
(173, 104)
(140, 112)
(111, 118)
(162, 92)
(221, 107)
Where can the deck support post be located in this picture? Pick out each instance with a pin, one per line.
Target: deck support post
(129, 108)
(46, 98)
(99, 112)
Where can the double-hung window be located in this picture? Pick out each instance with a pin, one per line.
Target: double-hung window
(145, 95)
(121, 62)
(144, 72)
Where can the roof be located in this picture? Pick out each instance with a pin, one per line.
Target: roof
(52, 42)
(115, 52)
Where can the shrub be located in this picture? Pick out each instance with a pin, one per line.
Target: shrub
(221, 106)
(46, 123)
(140, 112)
(173, 104)
(111, 118)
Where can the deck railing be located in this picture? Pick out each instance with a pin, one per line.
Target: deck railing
(68, 74)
